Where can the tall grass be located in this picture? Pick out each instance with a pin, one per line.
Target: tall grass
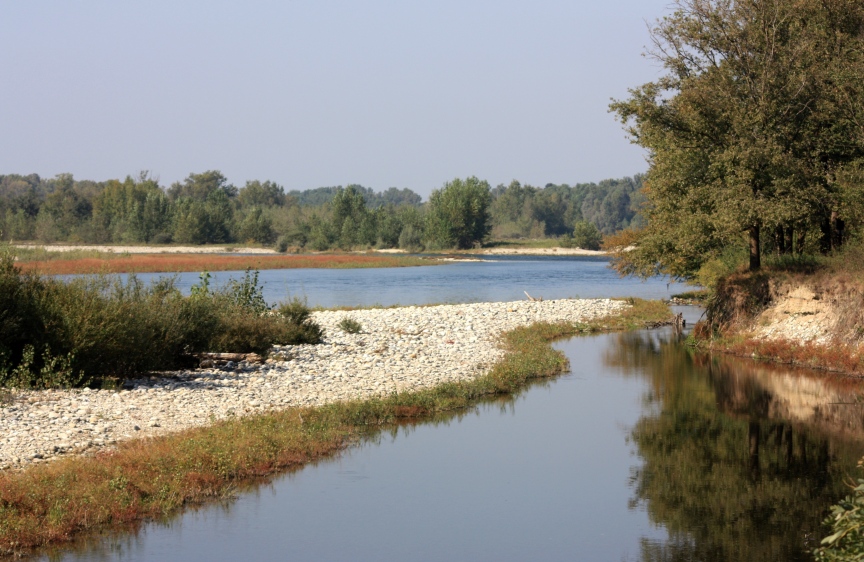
(100, 329)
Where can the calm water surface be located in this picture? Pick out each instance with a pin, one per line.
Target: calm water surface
(501, 279)
(644, 451)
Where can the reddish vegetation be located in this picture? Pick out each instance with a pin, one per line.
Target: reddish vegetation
(836, 357)
(159, 263)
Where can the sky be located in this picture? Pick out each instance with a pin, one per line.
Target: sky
(320, 93)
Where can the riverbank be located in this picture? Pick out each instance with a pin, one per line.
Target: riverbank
(811, 320)
(398, 350)
(147, 249)
(143, 478)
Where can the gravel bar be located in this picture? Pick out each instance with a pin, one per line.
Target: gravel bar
(399, 349)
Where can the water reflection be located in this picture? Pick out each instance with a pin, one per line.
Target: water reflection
(647, 451)
(740, 460)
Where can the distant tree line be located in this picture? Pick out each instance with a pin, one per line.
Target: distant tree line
(206, 209)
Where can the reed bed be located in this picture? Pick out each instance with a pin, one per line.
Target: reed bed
(176, 263)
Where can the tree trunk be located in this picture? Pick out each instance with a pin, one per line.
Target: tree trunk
(825, 239)
(837, 230)
(779, 241)
(755, 255)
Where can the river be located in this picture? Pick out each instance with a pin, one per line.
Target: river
(644, 451)
(497, 279)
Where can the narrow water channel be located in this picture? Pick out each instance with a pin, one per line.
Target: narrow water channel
(644, 451)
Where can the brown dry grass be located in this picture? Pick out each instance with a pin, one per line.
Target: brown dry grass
(175, 263)
(837, 357)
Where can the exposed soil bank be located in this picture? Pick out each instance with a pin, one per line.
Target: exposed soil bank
(812, 320)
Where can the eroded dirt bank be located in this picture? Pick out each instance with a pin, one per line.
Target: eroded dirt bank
(814, 320)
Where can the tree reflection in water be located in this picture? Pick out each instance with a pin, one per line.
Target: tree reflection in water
(741, 461)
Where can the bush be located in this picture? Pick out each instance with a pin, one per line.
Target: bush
(410, 239)
(351, 326)
(282, 244)
(846, 542)
(96, 328)
(585, 235)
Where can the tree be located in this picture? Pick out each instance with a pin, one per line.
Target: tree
(348, 212)
(585, 235)
(742, 130)
(459, 214)
(203, 210)
(257, 194)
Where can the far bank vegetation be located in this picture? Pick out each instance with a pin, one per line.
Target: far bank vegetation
(206, 208)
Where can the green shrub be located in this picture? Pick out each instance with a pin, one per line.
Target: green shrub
(351, 326)
(585, 235)
(96, 328)
(846, 542)
(282, 244)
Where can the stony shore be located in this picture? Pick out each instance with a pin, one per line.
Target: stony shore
(398, 350)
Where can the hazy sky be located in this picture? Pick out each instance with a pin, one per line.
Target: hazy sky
(312, 93)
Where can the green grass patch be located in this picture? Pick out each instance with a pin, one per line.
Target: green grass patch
(154, 478)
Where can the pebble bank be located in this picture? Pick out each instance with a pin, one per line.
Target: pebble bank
(399, 349)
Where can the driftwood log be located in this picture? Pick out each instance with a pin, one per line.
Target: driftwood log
(676, 322)
(532, 299)
(214, 359)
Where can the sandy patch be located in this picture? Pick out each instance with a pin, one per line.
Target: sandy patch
(798, 316)
(542, 252)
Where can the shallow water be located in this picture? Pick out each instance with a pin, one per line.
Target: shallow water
(644, 451)
(503, 278)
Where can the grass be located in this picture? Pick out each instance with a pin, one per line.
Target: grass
(699, 295)
(350, 326)
(176, 263)
(154, 478)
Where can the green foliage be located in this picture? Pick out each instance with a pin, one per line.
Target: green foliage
(751, 134)
(458, 214)
(411, 239)
(727, 261)
(58, 334)
(206, 208)
(247, 294)
(523, 211)
(585, 235)
(846, 541)
(350, 326)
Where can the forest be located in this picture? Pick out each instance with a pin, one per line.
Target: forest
(206, 209)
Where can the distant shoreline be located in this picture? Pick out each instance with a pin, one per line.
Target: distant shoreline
(140, 249)
(216, 249)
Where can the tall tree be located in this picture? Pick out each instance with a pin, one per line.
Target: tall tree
(738, 129)
(459, 214)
